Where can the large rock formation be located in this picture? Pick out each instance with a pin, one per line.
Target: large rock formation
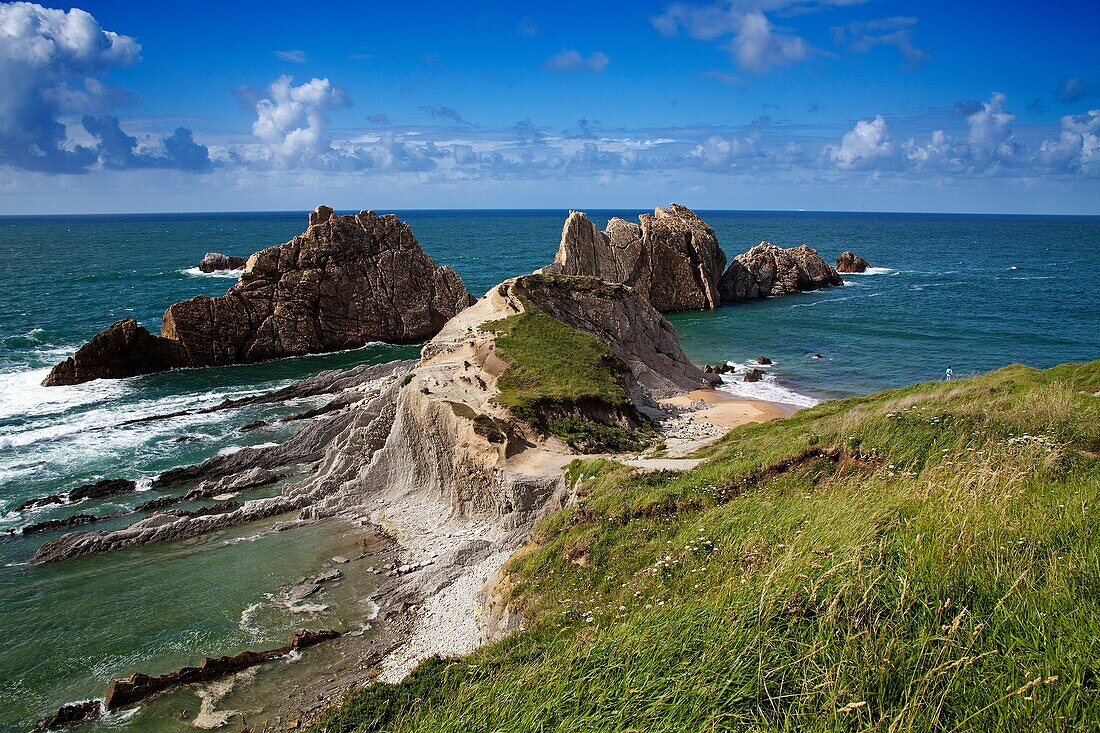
(672, 257)
(344, 282)
(851, 262)
(767, 270)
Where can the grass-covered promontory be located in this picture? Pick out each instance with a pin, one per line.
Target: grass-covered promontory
(567, 383)
(922, 559)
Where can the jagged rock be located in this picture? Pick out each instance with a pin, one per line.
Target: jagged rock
(851, 262)
(763, 361)
(221, 507)
(214, 261)
(754, 375)
(37, 503)
(250, 479)
(124, 349)
(71, 714)
(158, 503)
(344, 282)
(255, 425)
(135, 688)
(767, 270)
(73, 521)
(672, 258)
(103, 489)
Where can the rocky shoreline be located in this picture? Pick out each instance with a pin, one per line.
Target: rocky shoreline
(428, 451)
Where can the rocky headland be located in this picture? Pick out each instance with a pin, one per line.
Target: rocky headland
(344, 282)
(673, 258)
(455, 455)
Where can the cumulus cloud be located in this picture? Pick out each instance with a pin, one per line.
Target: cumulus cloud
(1072, 89)
(570, 59)
(1077, 148)
(291, 121)
(990, 138)
(753, 41)
(117, 150)
(718, 152)
(52, 63)
(294, 56)
(863, 36)
(865, 145)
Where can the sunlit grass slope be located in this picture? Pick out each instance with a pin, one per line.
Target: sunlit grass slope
(923, 559)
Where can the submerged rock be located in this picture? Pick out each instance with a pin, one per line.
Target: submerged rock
(71, 714)
(135, 688)
(767, 270)
(38, 503)
(344, 282)
(103, 489)
(215, 261)
(851, 262)
(672, 257)
(73, 521)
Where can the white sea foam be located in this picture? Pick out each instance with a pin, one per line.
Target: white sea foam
(228, 274)
(768, 389)
(874, 271)
(247, 622)
(230, 450)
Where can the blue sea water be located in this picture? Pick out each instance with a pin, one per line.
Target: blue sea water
(976, 292)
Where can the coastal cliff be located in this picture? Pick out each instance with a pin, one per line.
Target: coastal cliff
(344, 282)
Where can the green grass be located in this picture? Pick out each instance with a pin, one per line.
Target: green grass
(929, 561)
(567, 383)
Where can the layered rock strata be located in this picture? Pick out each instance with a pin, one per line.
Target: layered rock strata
(344, 282)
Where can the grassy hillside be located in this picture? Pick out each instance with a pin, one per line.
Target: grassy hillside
(923, 559)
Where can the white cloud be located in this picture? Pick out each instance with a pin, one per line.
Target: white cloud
(570, 59)
(758, 47)
(991, 141)
(1077, 148)
(51, 63)
(294, 56)
(755, 44)
(292, 123)
(866, 145)
(717, 152)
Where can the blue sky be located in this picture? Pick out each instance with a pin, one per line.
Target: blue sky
(751, 104)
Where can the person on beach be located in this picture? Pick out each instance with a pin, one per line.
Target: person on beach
(949, 374)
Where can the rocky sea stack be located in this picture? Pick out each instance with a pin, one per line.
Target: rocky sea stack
(851, 262)
(215, 261)
(673, 258)
(767, 270)
(344, 282)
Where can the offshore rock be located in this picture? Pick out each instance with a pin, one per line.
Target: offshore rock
(124, 349)
(851, 262)
(215, 261)
(767, 270)
(71, 714)
(672, 257)
(344, 282)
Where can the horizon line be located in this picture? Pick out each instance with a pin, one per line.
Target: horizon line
(555, 209)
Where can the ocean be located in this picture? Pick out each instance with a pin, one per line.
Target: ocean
(975, 292)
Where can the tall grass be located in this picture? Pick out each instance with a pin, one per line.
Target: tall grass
(930, 562)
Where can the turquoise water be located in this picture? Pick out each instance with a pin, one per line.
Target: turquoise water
(974, 291)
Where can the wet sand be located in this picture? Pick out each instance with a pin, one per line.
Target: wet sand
(729, 411)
